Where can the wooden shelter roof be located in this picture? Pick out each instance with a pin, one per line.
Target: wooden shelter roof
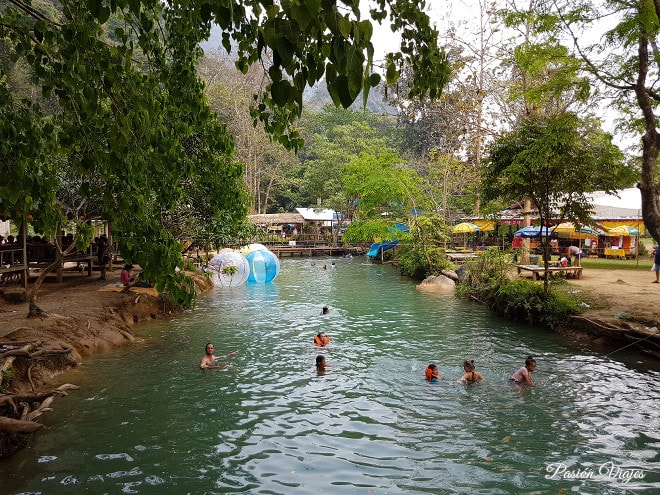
(276, 218)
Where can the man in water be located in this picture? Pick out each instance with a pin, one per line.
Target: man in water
(208, 360)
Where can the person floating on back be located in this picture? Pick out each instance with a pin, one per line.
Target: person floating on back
(524, 374)
(321, 339)
(470, 375)
(432, 374)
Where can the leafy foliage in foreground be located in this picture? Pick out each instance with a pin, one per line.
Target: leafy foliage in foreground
(129, 124)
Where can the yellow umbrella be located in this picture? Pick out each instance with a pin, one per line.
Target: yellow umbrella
(573, 232)
(627, 230)
(566, 227)
(465, 228)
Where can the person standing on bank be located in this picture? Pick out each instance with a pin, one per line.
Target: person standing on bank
(656, 264)
(576, 253)
(102, 255)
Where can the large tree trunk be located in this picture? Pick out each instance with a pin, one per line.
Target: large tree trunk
(17, 415)
(650, 146)
(35, 310)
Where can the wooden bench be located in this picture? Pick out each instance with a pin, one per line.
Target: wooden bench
(460, 257)
(86, 258)
(538, 270)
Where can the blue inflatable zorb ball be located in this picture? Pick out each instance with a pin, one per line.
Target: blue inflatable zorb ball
(264, 266)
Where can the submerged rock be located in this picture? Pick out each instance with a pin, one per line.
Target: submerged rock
(438, 283)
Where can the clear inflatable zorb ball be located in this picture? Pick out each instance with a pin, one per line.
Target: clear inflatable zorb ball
(264, 266)
(231, 269)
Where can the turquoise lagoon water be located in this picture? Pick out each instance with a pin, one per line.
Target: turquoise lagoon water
(148, 421)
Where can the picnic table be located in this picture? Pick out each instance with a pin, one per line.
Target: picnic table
(538, 270)
(615, 253)
(460, 257)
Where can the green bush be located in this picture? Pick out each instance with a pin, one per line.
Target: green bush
(559, 306)
(519, 300)
(413, 264)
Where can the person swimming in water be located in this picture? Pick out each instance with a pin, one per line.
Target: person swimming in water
(321, 339)
(208, 359)
(432, 374)
(321, 364)
(470, 375)
(524, 374)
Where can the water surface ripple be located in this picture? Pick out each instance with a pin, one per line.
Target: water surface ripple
(147, 421)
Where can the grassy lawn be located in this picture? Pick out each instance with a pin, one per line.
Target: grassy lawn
(644, 263)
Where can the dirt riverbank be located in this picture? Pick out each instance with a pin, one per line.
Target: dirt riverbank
(83, 314)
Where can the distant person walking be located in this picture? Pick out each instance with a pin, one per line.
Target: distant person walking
(656, 264)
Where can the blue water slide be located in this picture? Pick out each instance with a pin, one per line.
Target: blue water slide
(377, 247)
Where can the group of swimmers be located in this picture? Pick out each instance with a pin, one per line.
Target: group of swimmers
(521, 377)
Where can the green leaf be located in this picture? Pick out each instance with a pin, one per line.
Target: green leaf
(281, 92)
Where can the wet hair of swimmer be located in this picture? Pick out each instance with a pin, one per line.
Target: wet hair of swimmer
(469, 365)
(432, 366)
(529, 361)
(319, 359)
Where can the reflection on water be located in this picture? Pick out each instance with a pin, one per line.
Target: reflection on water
(148, 421)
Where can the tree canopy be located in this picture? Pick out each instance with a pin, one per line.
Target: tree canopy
(625, 62)
(132, 121)
(554, 160)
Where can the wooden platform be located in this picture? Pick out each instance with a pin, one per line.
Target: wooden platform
(538, 270)
(283, 251)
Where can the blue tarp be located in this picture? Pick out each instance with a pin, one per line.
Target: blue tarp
(533, 231)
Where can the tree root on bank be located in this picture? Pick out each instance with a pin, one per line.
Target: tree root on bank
(18, 411)
(35, 311)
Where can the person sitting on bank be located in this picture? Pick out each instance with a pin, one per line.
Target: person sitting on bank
(208, 360)
(129, 279)
(126, 277)
(432, 374)
(321, 339)
(470, 376)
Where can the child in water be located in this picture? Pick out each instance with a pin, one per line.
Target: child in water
(432, 374)
(321, 339)
(321, 365)
(470, 375)
(524, 374)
